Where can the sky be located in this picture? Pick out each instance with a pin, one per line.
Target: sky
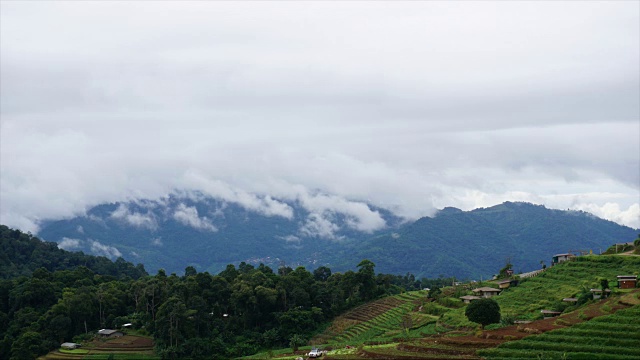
(407, 106)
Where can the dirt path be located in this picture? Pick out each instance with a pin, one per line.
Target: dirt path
(628, 253)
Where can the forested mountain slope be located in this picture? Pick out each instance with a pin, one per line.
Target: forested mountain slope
(209, 233)
(206, 233)
(477, 243)
(21, 254)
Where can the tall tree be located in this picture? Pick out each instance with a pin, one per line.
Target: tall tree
(483, 312)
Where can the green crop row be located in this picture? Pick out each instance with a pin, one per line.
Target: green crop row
(619, 334)
(585, 340)
(569, 347)
(499, 353)
(606, 337)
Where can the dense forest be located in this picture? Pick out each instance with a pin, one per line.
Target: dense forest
(239, 311)
(22, 254)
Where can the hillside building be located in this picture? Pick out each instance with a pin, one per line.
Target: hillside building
(108, 333)
(558, 258)
(627, 281)
(486, 292)
(469, 298)
(599, 293)
(548, 314)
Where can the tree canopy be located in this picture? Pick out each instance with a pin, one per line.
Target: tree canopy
(483, 312)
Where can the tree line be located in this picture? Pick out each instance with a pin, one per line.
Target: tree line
(239, 311)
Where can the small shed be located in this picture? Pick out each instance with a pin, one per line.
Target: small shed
(70, 345)
(548, 314)
(558, 258)
(469, 298)
(627, 281)
(486, 292)
(599, 293)
(109, 333)
(504, 284)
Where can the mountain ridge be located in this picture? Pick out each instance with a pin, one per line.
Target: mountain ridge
(210, 233)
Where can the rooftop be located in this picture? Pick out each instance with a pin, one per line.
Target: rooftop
(550, 312)
(486, 289)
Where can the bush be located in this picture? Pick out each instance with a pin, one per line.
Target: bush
(507, 320)
(449, 302)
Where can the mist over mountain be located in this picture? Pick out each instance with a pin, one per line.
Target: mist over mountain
(196, 230)
(207, 233)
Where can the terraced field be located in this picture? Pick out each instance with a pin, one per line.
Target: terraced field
(379, 321)
(410, 326)
(125, 347)
(614, 336)
(546, 290)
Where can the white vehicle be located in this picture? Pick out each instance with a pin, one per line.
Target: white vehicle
(314, 353)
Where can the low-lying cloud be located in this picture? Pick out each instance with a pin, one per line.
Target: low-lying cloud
(136, 219)
(407, 106)
(97, 248)
(189, 216)
(69, 244)
(94, 246)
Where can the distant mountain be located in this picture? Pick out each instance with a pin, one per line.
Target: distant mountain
(194, 230)
(207, 233)
(478, 243)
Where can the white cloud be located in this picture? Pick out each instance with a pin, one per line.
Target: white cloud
(290, 238)
(613, 212)
(80, 229)
(100, 249)
(156, 242)
(70, 244)
(409, 106)
(189, 216)
(221, 190)
(136, 219)
(317, 225)
(359, 216)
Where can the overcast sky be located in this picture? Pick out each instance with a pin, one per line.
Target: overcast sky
(410, 106)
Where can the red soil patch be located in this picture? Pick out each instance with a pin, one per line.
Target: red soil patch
(124, 342)
(443, 346)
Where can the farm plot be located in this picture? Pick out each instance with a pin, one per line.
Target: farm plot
(125, 347)
(378, 321)
(606, 337)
